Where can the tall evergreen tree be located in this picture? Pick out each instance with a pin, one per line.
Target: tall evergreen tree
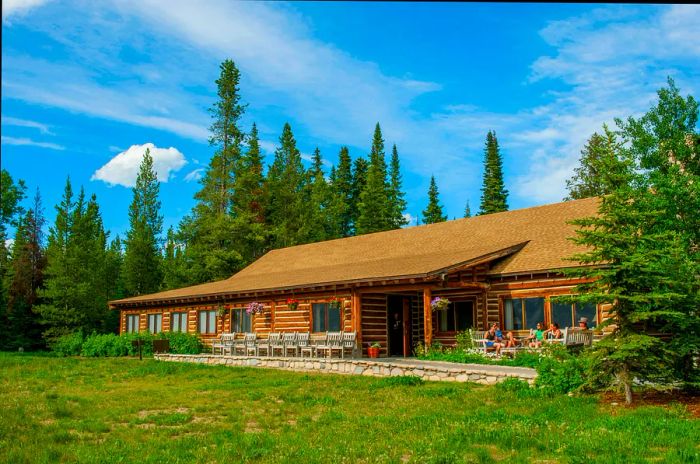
(286, 182)
(467, 211)
(320, 203)
(433, 212)
(374, 209)
(494, 196)
(397, 202)
(142, 267)
(76, 287)
(342, 186)
(596, 173)
(24, 280)
(646, 232)
(250, 202)
(174, 272)
(209, 232)
(359, 182)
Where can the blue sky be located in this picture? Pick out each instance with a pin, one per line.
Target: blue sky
(85, 85)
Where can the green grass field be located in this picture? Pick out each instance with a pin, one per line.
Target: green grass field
(124, 410)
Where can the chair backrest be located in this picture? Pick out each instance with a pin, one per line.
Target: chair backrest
(303, 338)
(478, 334)
(349, 339)
(228, 338)
(576, 337)
(274, 338)
(335, 338)
(250, 338)
(289, 338)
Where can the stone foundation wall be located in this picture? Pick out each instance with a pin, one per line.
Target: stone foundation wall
(436, 371)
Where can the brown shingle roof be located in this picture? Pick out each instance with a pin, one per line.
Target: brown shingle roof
(414, 251)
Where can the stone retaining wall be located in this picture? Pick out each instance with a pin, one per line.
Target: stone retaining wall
(427, 370)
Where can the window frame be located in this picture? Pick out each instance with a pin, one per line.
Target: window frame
(523, 310)
(243, 316)
(208, 320)
(573, 311)
(452, 308)
(326, 318)
(157, 322)
(183, 320)
(131, 327)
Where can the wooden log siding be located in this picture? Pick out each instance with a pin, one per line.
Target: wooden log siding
(288, 320)
(373, 307)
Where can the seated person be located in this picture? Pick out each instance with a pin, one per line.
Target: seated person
(492, 341)
(511, 341)
(535, 338)
(554, 332)
(583, 323)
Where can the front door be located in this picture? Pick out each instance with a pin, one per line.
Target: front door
(398, 325)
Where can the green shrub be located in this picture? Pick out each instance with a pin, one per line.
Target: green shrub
(465, 340)
(402, 380)
(183, 343)
(68, 345)
(104, 345)
(513, 384)
(560, 370)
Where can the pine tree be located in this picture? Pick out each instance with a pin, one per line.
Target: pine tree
(646, 233)
(114, 280)
(373, 208)
(433, 212)
(250, 203)
(467, 211)
(397, 203)
(598, 164)
(142, 267)
(320, 202)
(359, 182)
(494, 196)
(342, 187)
(286, 180)
(174, 271)
(24, 279)
(212, 251)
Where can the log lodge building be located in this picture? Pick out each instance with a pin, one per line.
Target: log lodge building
(501, 267)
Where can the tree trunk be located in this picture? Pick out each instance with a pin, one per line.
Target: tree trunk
(626, 380)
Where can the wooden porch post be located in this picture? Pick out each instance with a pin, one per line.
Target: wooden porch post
(427, 316)
(356, 312)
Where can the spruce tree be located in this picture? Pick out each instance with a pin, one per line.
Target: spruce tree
(374, 213)
(397, 203)
(646, 233)
(76, 286)
(174, 272)
(467, 211)
(24, 280)
(433, 212)
(319, 201)
(249, 202)
(494, 196)
(142, 267)
(359, 181)
(209, 232)
(342, 187)
(595, 175)
(286, 180)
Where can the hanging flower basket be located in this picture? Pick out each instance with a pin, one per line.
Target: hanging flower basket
(439, 304)
(254, 308)
(334, 302)
(222, 311)
(292, 303)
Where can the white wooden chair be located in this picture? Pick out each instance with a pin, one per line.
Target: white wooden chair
(289, 342)
(304, 345)
(348, 342)
(250, 344)
(273, 339)
(334, 342)
(223, 344)
(578, 337)
(479, 338)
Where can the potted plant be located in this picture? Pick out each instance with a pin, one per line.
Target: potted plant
(292, 303)
(439, 303)
(373, 349)
(254, 308)
(334, 302)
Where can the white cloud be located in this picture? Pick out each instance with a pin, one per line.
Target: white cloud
(23, 141)
(123, 168)
(18, 7)
(43, 128)
(195, 175)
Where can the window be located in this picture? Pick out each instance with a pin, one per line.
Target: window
(241, 321)
(207, 322)
(459, 316)
(178, 322)
(155, 323)
(523, 313)
(132, 323)
(326, 319)
(568, 314)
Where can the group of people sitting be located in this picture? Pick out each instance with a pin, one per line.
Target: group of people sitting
(495, 339)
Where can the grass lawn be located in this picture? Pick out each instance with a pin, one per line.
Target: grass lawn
(124, 410)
